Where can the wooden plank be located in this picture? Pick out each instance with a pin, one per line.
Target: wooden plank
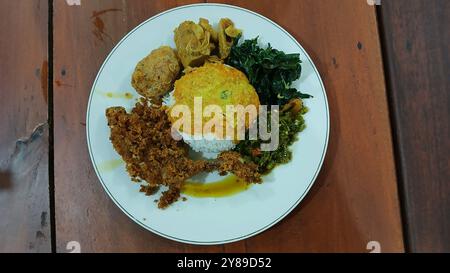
(24, 195)
(355, 198)
(417, 43)
(83, 211)
(354, 201)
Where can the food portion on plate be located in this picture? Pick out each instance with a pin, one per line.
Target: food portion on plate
(211, 70)
(219, 85)
(144, 140)
(156, 73)
(197, 43)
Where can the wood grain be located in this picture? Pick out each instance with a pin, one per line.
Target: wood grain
(417, 43)
(84, 212)
(355, 198)
(24, 195)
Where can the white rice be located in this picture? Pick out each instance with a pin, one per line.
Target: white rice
(208, 144)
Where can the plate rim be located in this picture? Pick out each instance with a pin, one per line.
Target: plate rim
(251, 234)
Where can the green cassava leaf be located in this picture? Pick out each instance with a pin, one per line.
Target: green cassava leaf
(269, 70)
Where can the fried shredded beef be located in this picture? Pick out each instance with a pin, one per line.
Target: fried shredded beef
(144, 140)
(230, 161)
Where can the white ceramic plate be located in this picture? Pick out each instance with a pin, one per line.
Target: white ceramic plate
(207, 220)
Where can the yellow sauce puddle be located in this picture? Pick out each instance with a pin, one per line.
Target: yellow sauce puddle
(117, 95)
(230, 185)
(110, 165)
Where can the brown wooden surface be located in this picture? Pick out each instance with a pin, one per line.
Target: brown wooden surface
(354, 201)
(417, 44)
(355, 198)
(24, 195)
(83, 211)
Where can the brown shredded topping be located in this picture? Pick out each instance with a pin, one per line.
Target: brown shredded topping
(231, 161)
(144, 141)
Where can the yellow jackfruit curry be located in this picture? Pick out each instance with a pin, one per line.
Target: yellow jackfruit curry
(197, 43)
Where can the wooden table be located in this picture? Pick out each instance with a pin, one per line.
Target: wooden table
(385, 177)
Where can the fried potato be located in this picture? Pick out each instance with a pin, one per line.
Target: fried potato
(154, 75)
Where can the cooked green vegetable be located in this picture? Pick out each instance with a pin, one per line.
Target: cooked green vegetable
(269, 70)
(291, 123)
